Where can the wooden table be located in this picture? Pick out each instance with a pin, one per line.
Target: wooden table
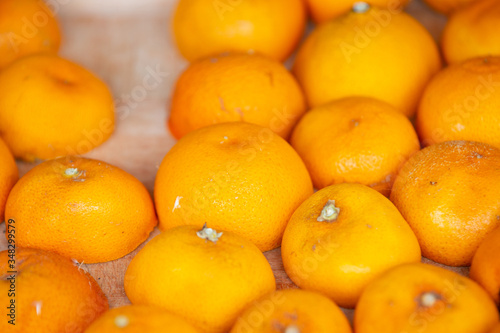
(122, 47)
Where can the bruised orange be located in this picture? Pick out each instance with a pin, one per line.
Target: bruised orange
(51, 294)
(236, 87)
(448, 194)
(27, 27)
(84, 209)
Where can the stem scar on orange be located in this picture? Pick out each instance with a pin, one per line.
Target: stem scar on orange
(343, 237)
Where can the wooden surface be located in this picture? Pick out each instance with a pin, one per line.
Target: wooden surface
(122, 42)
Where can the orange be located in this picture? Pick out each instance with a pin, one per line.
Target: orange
(51, 107)
(237, 87)
(84, 209)
(47, 294)
(292, 310)
(472, 32)
(448, 194)
(496, 329)
(485, 267)
(355, 140)
(236, 177)
(208, 27)
(372, 52)
(206, 276)
(343, 237)
(462, 103)
(448, 6)
(8, 176)
(416, 298)
(325, 10)
(26, 27)
(139, 319)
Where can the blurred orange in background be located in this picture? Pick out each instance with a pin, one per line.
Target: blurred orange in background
(51, 107)
(472, 31)
(209, 27)
(325, 10)
(448, 6)
(368, 52)
(236, 87)
(26, 27)
(462, 102)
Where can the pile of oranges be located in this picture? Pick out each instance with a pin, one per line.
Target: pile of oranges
(376, 147)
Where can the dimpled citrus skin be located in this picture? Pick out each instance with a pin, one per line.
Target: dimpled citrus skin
(51, 107)
(461, 103)
(237, 87)
(392, 62)
(8, 176)
(485, 267)
(472, 32)
(26, 27)
(448, 6)
(341, 257)
(235, 176)
(448, 194)
(207, 283)
(67, 297)
(139, 319)
(325, 10)
(393, 303)
(355, 140)
(99, 214)
(206, 27)
(308, 311)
